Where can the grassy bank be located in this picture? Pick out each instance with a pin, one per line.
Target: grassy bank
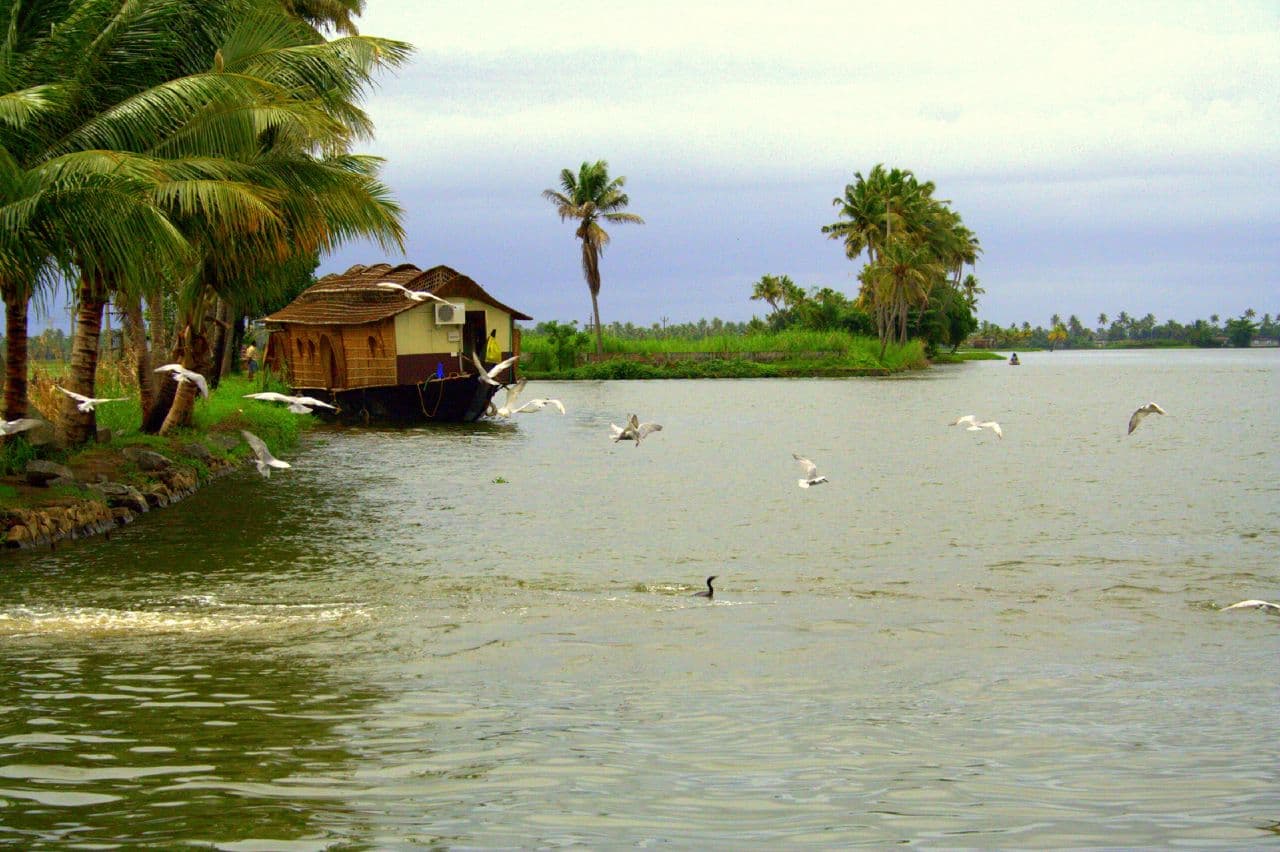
(212, 443)
(967, 355)
(765, 355)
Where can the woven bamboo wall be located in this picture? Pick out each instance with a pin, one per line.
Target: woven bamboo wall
(370, 354)
(363, 355)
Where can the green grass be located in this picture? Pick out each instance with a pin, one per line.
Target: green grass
(817, 353)
(967, 355)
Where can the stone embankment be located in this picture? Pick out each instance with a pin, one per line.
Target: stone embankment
(76, 508)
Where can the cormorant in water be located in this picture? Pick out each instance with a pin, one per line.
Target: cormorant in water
(710, 592)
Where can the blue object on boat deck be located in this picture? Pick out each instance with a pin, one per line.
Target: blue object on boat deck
(439, 370)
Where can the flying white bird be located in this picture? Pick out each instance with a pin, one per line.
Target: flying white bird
(416, 295)
(182, 374)
(86, 403)
(508, 406)
(297, 404)
(993, 426)
(1266, 606)
(538, 405)
(262, 456)
(811, 476)
(1149, 408)
(971, 420)
(488, 376)
(22, 424)
(634, 430)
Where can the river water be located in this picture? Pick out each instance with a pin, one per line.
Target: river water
(484, 635)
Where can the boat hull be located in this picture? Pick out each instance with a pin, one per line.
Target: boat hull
(461, 399)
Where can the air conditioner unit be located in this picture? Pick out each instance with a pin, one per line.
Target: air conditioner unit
(451, 314)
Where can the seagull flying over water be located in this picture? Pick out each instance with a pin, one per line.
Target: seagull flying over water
(488, 376)
(182, 374)
(1149, 408)
(634, 430)
(538, 405)
(297, 404)
(416, 295)
(1265, 606)
(975, 426)
(508, 406)
(811, 476)
(710, 592)
(83, 403)
(22, 424)
(262, 456)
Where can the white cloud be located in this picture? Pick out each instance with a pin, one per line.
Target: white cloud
(1047, 124)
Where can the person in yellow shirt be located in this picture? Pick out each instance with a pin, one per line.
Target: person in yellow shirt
(493, 352)
(251, 360)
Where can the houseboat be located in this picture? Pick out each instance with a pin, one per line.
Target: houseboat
(393, 343)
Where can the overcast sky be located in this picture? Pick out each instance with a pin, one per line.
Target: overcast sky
(1109, 156)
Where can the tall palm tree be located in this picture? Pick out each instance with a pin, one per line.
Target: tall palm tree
(971, 290)
(768, 289)
(193, 147)
(876, 207)
(897, 282)
(589, 197)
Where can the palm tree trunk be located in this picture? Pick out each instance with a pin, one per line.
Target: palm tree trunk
(220, 347)
(595, 312)
(15, 356)
(80, 427)
(136, 334)
(196, 357)
(155, 321)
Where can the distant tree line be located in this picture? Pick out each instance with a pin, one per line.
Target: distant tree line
(1124, 329)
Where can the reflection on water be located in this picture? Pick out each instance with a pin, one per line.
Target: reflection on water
(485, 635)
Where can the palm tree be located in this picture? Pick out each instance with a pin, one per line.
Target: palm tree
(898, 281)
(769, 288)
(971, 290)
(876, 206)
(588, 197)
(194, 145)
(1057, 335)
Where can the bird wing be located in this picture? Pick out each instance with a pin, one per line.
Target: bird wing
(1136, 419)
(993, 426)
(531, 405)
(391, 285)
(810, 469)
(168, 368)
(1254, 604)
(557, 403)
(513, 392)
(78, 397)
(313, 402)
(645, 428)
(193, 376)
(22, 424)
(269, 396)
(260, 450)
(971, 419)
(481, 373)
(617, 431)
(500, 366)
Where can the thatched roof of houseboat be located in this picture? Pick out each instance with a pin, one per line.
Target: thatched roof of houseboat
(352, 297)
